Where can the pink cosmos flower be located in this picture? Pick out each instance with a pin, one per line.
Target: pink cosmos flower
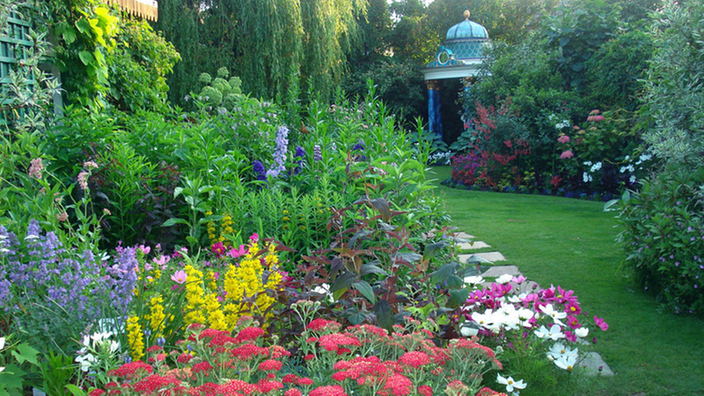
(218, 248)
(254, 238)
(563, 139)
(566, 154)
(235, 253)
(179, 277)
(161, 261)
(601, 323)
(144, 249)
(519, 279)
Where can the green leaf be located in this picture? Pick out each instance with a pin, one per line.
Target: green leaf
(84, 27)
(432, 249)
(343, 282)
(384, 315)
(86, 57)
(443, 273)
(173, 221)
(382, 206)
(357, 318)
(25, 353)
(75, 391)
(454, 282)
(12, 377)
(457, 297)
(372, 269)
(366, 290)
(192, 241)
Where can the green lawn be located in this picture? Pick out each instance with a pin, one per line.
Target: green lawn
(570, 243)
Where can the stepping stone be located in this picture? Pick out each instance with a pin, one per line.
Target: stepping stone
(473, 246)
(489, 257)
(497, 271)
(463, 235)
(592, 362)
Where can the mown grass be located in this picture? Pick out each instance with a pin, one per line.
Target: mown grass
(570, 243)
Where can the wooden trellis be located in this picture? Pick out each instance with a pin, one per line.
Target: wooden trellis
(138, 8)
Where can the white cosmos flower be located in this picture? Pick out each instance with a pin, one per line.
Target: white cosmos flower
(485, 320)
(555, 332)
(582, 332)
(566, 362)
(474, 280)
(2, 343)
(86, 361)
(555, 315)
(505, 278)
(510, 383)
(467, 331)
(559, 350)
(324, 289)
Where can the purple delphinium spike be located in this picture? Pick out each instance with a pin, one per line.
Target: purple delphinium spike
(279, 153)
(317, 153)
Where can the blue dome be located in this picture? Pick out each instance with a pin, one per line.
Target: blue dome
(467, 30)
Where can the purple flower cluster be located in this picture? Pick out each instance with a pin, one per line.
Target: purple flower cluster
(121, 277)
(360, 148)
(317, 153)
(298, 157)
(41, 270)
(259, 169)
(279, 153)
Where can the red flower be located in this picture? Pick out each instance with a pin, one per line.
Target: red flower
(555, 181)
(131, 370)
(154, 383)
(202, 367)
(331, 390)
(309, 356)
(249, 333)
(209, 333)
(246, 351)
(399, 385)
(266, 386)
(96, 392)
(332, 342)
(414, 359)
(425, 390)
(305, 381)
(238, 386)
(184, 358)
(270, 365)
(154, 348)
(293, 392)
(290, 379)
(320, 324)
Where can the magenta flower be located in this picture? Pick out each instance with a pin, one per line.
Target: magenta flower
(179, 277)
(144, 249)
(236, 253)
(564, 139)
(566, 154)
(161, 260)
(601, 323)
(254, 238)
(218, 248)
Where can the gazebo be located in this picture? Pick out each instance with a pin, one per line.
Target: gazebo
(459, 56)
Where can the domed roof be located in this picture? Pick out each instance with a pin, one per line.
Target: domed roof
(467, 30)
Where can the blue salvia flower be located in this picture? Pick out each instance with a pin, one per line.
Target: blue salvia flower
(122, 278)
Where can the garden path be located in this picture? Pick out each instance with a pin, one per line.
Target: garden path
(592, 362)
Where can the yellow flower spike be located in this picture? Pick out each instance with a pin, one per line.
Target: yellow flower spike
(157, 321)
(134, 338)
(194, 296)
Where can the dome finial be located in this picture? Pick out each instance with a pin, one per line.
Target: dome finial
(466, 14)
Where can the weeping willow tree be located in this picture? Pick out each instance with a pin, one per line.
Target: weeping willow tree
(273, 45)
(269, 52)
(331, 30)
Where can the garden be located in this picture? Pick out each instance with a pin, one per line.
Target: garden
(243, 198)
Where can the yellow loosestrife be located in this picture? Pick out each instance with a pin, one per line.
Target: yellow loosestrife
(157, 318)
(134, 338)
(195, 296)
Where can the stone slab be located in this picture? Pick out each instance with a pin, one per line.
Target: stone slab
(591, 363)
(473, 246)
(489, 257)
(497, 271)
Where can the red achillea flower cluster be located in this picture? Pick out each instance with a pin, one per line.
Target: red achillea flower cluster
(210, 333)
(247, 351)
(293, 392)
(333, 342)
(131, 370)
(154, 348)
(489, 392)
(425, 390)
(320, 324)
(249, 334)
(184, 358)
(464, 343)
(332, 390)
(202, 367)
(397, 385)
(414, 359)
(270, 365)
(155, 383)
(266, 385)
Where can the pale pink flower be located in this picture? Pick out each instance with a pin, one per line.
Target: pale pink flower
(62, 216)
(35, 168)
(83, 180)
(161, 260)
(144, 249)
(90, 165)
(564, 139)
(566, 154)
(179, 277)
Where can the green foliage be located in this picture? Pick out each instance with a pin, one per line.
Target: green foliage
(57, 371)
(664, 238)
(13, 357)
(574, 32)
(138, 67)
(674, 93)
(617, 69)
(86, 32)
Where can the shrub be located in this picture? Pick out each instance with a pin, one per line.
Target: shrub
(664, 238)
